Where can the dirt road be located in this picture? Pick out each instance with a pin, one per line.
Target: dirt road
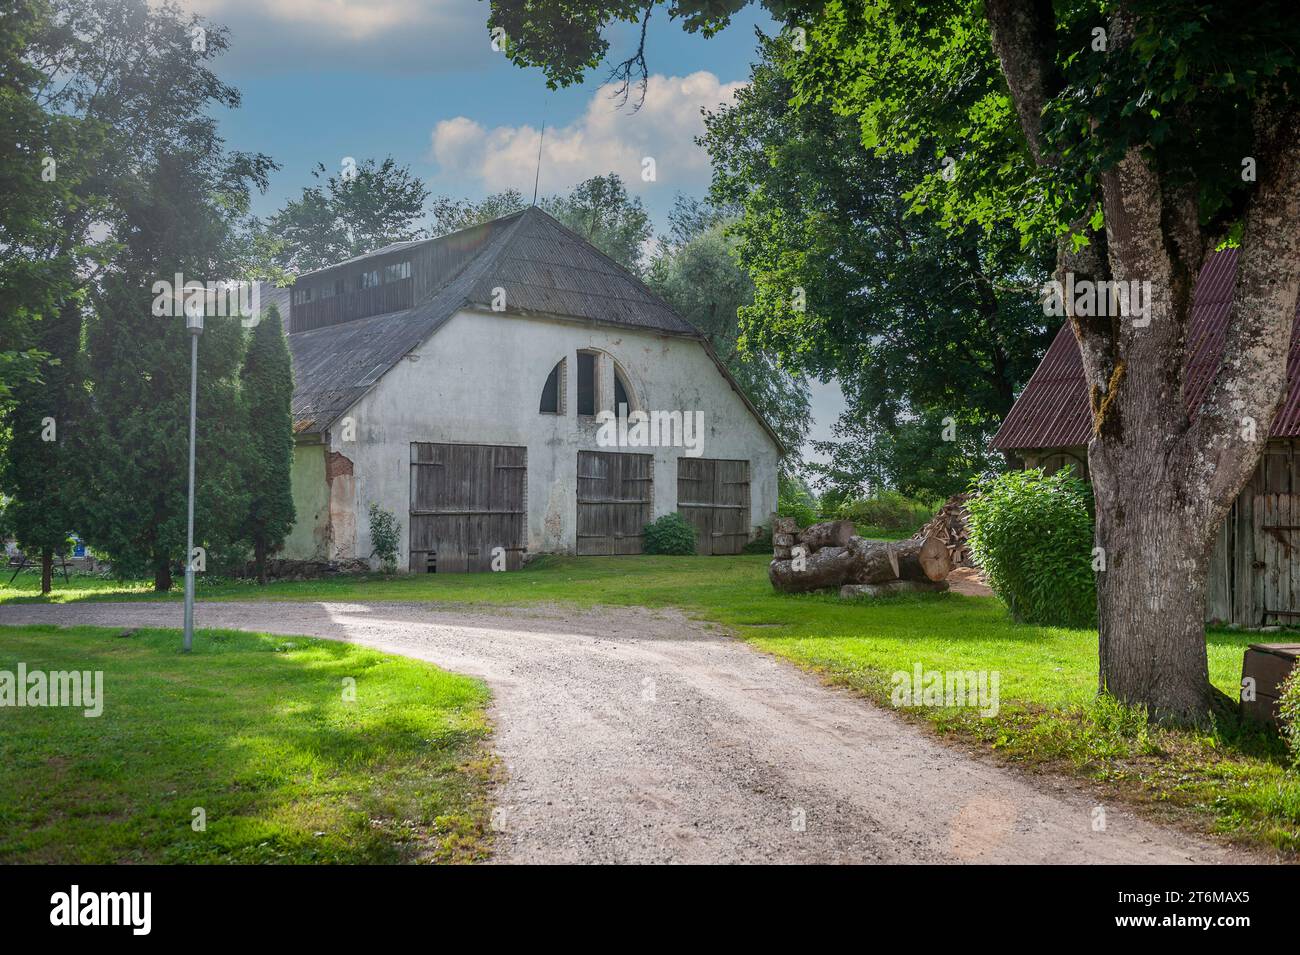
(638, 736)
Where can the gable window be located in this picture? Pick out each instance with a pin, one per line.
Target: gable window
(586, 383)
(552, 391)
(622, 403)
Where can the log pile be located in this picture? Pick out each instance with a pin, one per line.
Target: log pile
(950, 525)
(830, 554)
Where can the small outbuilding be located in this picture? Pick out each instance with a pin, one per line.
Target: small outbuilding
(1254, 577)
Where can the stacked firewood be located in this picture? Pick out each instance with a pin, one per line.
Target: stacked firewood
(830, 554)
(950, 524)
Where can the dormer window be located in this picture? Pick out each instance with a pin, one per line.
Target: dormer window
(553, 391)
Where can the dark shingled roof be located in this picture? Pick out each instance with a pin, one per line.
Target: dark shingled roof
(1052, 411)
(544, 268)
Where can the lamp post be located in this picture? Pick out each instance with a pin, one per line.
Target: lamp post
(194, 322)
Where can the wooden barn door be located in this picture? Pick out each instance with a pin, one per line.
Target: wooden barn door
(614, 501)
(713, 496)
(1277, 538)
(466, 500)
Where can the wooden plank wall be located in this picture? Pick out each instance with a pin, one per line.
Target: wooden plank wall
(467, 499)
(1254, 576)
(713, 496)
(352, 304)
(615, 497)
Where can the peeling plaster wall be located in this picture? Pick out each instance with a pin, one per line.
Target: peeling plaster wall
(479, 381)
(309, 538)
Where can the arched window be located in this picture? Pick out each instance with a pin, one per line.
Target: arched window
(553, 390)
(587, 383)
(622, 394)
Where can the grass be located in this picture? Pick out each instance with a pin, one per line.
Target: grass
(1233, 779)
(254, 731)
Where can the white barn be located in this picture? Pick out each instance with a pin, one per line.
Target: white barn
(468, 383)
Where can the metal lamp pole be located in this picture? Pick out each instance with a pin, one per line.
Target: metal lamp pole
(194, 322)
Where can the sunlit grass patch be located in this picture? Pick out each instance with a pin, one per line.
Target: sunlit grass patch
(252, 734)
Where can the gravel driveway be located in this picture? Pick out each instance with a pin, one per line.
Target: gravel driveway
(637, 736)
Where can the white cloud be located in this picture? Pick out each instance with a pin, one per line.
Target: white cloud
(605, 138)
(388, 35)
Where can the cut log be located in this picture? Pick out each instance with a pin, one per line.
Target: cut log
(782, 553)
(926, 559)
(827, 534)
(829, 567)
(783, 540)
(874, 561)
(784, 525)
(892, 587)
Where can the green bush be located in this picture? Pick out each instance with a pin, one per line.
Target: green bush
(385, 536)
(1289, 714)
(1032, 535)
(670, 534)
(888, 509)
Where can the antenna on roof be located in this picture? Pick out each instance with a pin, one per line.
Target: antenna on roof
(537, 178)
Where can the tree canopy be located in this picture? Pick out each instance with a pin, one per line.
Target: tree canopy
(362, 207)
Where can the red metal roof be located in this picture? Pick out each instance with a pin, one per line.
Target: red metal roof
(1052, 411)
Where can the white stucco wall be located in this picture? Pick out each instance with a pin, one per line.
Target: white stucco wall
(479, 380)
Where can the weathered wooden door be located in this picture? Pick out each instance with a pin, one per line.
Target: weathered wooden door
(713, 496)
(614, 501)
(466, 501)
(1277, 537)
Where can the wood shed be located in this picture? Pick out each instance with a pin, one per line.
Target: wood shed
(1254, 575)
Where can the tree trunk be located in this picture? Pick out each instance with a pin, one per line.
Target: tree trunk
(829, 567)
(874, 561)
(923, 559)
(1151, 608)
(47, 570)
(827, 534)
(162, 576)
(259, 553)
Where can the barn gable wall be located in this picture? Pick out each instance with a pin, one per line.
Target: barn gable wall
(479, 381)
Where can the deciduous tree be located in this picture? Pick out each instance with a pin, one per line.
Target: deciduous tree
(1141, 134)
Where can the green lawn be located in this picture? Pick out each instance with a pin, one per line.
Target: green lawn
(1233, 779)
(255, 731)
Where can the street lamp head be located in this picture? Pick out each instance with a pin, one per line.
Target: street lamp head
(194, 321)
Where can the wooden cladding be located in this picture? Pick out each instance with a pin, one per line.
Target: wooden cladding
(615, 494)
(713, 496)
(349, 305)
(467, 500)
(1254, 575)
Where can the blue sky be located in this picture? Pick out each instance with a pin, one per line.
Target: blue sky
(417, 79)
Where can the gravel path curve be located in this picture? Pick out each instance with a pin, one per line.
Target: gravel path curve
(638, 736)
